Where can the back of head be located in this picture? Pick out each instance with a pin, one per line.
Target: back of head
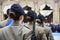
(32, 14)
(27, 8)
(41, 17)
(5, 16)
(8, 10)
(18, 11)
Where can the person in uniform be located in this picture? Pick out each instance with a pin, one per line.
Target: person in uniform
(14, 31)
(39, 31)
(7, 21)
(26, 9)
(48, 32)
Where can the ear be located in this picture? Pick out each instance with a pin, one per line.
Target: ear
(21, 18)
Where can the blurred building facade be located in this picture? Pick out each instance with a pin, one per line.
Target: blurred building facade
(35, 5)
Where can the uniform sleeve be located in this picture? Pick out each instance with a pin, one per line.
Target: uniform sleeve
(3, 23)
(41, 35)
(50, 35)
(44, 36)
(27, 36)
(1, 34)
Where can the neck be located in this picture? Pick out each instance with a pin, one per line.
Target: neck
(19, 22)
